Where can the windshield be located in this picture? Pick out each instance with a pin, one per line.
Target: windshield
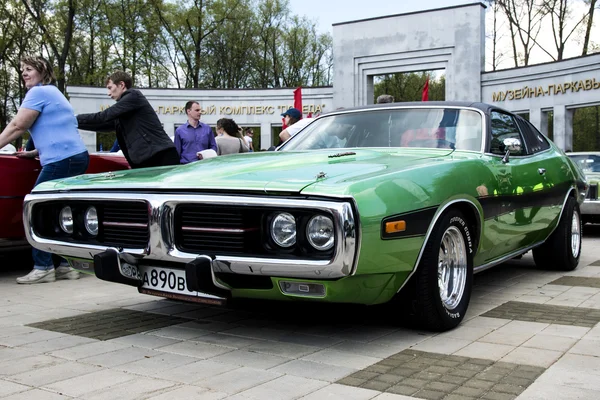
(449, 128)
(587, 162)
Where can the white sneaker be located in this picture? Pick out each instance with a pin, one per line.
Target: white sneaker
(66, 272)
(38, 276)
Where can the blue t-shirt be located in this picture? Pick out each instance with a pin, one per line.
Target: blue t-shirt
(55, 130)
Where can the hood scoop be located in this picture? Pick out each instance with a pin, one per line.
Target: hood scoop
(347, 153)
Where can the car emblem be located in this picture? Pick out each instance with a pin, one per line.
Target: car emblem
(321, 175)
(110, 175)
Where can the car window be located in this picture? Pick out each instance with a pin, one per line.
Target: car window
(535, 141)
(503, 126)
(542, 141)
(450, 128)
(587, 162)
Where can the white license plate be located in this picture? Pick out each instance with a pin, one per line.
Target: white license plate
(168, 280)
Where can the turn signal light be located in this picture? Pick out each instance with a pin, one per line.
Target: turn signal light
(395, 226)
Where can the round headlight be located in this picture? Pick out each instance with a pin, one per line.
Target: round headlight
(283, 230)
(319, 232)
(65, 219)
(90, 220)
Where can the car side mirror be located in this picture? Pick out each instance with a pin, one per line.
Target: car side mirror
(512, 146)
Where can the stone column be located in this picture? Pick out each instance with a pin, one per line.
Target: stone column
(169, 127)
(563, 128)
(89, 139)
(370, 91)
(544, 123)
(569, 130)
(266, 139)
(539, 119)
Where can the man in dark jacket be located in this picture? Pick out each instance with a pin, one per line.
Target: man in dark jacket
(139, 132)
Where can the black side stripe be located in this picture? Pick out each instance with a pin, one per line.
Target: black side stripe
(417, 223)
(494, 206)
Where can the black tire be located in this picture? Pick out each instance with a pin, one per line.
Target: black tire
(430, 309)
(561, 251)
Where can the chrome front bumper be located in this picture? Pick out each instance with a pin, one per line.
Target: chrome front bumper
(161, 247)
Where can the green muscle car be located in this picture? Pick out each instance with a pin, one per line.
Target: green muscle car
(399, 202)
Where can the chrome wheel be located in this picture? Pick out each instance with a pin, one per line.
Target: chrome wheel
(452, 267)
(575, 234)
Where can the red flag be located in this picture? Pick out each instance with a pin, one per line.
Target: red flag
(425, 96)
(297, 104)
(298, 98)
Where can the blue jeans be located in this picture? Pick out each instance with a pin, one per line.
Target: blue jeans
(74, 165)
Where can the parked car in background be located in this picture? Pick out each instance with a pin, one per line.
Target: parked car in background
(398, 202)
(8, 149)
(589, 162)
(18, 177)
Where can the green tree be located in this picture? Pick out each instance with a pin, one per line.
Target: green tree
(90, 55)
(126, 31)
(564, 23)
(55, 21)
(321, 60)
(16, 40)
(307, 59)
(231, 48)
(525, 22)
(190, 24)
(271, 18)
(589, 23)
(586, 129)
(409, 86)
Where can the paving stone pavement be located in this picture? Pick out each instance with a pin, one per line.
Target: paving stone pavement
(108, 324)
(162, 349)
(546, 313)
(439, 376)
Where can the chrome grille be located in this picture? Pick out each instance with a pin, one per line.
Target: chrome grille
(224, 230)
(122, 223)
(125, 224)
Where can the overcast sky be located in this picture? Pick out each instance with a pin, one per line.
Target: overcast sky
(328, 12)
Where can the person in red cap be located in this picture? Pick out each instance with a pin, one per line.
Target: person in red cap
(295, 123)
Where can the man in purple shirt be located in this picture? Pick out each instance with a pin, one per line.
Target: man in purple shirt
(193, 136)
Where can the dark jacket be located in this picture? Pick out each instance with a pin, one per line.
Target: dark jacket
(139, 131)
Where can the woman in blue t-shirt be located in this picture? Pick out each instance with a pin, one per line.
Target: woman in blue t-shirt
(50, 119)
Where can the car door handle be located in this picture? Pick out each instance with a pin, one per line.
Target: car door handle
(541, 171)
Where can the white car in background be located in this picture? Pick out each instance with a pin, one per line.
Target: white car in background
(589, 162)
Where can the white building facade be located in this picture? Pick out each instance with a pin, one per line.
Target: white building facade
(249, 108)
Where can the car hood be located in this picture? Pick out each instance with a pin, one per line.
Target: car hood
(268, 172)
